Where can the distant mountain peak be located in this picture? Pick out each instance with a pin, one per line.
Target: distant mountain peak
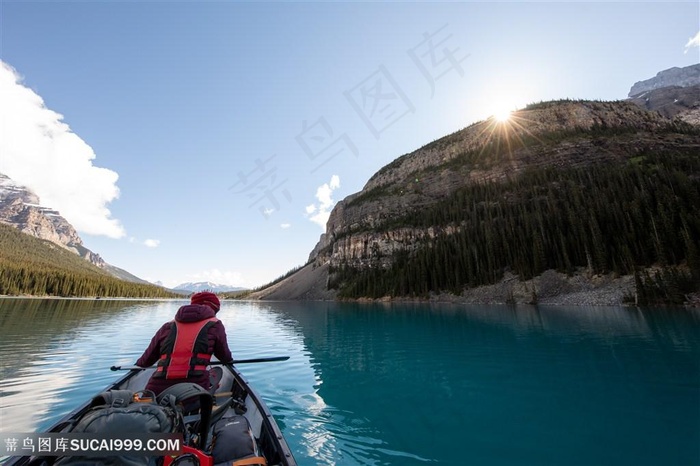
(196, 287)
(21, 208)
(674, 93)
(679, 77)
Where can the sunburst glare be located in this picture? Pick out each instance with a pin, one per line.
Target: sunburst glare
(502, 107)
(502, 115)
(506, 129)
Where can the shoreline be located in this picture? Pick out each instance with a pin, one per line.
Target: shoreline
(89, 298)
(550, 288)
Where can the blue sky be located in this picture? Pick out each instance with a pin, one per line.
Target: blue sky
(208, 141)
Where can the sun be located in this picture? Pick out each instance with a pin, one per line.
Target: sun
(502, 105)
(502, 115)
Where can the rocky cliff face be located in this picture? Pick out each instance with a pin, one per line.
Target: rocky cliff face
(20, 208)
(673, 102)
(674, 93)
(555, 134)
(673, 77)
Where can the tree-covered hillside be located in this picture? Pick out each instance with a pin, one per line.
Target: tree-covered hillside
(617, 217)
(30, 266)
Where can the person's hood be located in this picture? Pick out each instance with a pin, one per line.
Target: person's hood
(194, 313)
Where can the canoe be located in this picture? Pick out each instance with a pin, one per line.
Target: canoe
(234, 396)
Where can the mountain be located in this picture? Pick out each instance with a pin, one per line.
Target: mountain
(21, 208)
(206, 286)
(673, 93)
(565, 197)
(38, 267)
(672, 102)
(672, 77)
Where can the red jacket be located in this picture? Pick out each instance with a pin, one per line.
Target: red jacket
(217, 345)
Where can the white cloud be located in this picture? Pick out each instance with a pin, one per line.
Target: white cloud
(41, 152)
(150, 243)
(693, 42)
(284, 226)
(322, 211)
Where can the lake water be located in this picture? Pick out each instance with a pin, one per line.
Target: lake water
(370, 384)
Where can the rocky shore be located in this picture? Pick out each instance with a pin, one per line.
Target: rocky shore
(550, 288)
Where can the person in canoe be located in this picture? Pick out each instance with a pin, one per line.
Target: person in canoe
(183, 347)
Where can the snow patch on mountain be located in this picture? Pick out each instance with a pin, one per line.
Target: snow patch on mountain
(195, 287)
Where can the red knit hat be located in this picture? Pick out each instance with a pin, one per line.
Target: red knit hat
(208, 298)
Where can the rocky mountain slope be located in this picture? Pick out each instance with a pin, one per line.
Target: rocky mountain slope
(672, 77)
(373, 233)
(674, 93)
(672, 102)
(22, 209)
(486, 152)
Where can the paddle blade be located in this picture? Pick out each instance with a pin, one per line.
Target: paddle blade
(127, 368)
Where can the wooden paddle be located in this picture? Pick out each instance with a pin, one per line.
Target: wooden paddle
(213, 363)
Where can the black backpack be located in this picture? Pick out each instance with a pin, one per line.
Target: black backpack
(128, 413)
(233, 440)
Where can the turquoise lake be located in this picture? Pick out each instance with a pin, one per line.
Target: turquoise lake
(418, 384)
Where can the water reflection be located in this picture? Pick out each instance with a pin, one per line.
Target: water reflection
(334, 431)
(293, 389)
(53, 350)
(378, 384)
(482, 371)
